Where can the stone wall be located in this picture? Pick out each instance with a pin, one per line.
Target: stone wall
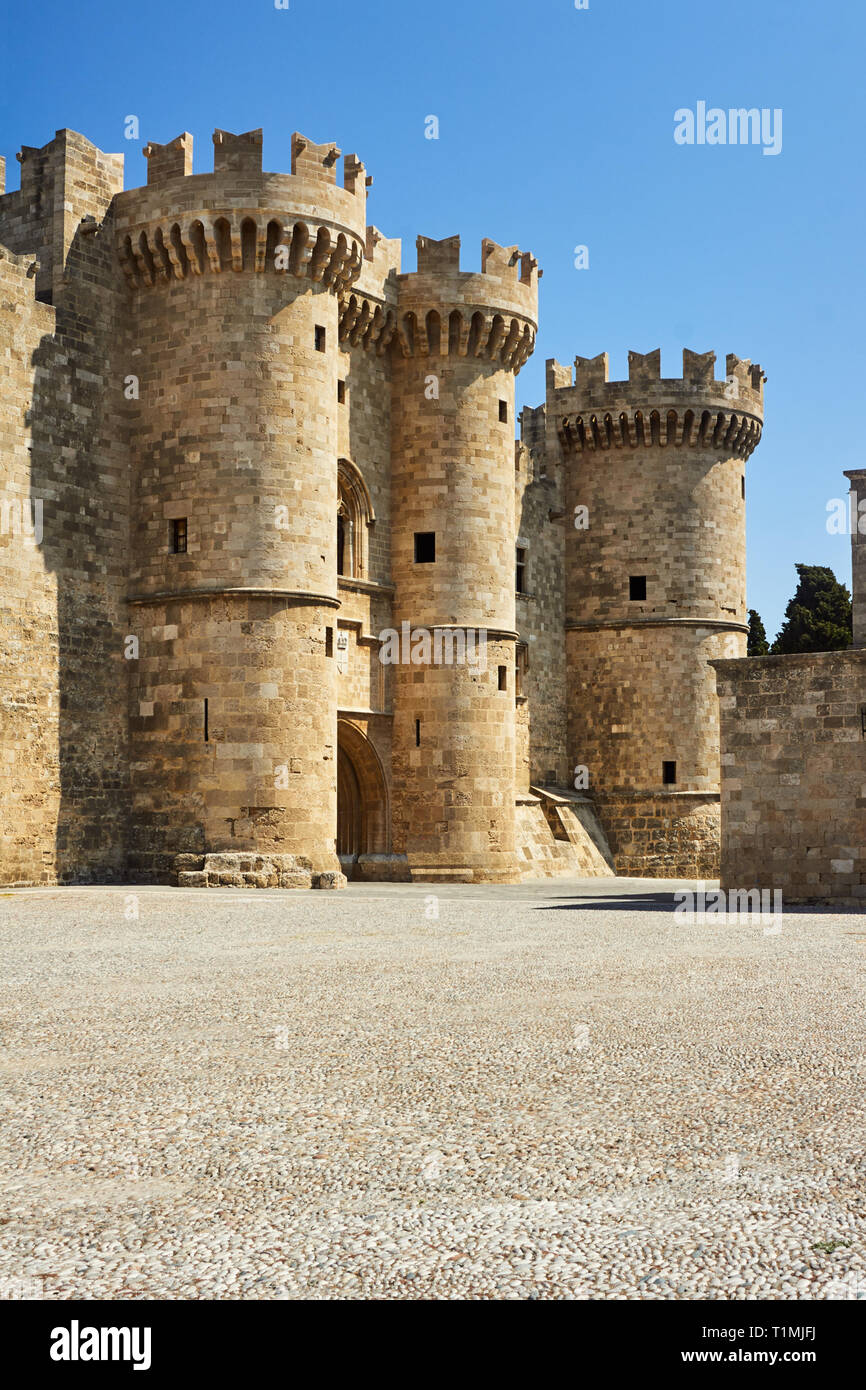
(662, 836)
(793, 753)
(29, 650)
(63, 449)
(541, 755)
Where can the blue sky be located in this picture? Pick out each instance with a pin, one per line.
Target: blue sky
(556, 129)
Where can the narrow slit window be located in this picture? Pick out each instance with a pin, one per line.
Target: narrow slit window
(669, 774)
(520, 571)
(637, 586)
(178, 536)
(329, 641)
(743, 485)
(521, 667)
(206, 729)
(503, 412)
(341, 392)
(425, 547)
(321, 338)
(341, 543)
(417, 733)
(503, 677)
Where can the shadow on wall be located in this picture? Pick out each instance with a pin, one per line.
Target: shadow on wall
(78, 473)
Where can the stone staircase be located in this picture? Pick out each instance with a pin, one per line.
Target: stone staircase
(559, 836)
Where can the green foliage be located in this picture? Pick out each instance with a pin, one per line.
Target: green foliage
(758, 644)
(818, 617)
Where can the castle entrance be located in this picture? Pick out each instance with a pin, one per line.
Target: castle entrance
(349, 816)
(362, 811)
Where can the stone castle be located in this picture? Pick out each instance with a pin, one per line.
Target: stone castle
(238, 443)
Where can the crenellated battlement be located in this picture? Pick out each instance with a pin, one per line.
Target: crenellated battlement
(170, 161)
(445, 311)
(644, 369)
(184, 225)
(695, 410)
(242, 154)
(514, 268)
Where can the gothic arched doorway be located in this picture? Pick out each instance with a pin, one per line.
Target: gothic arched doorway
(362, 798)
(349, 816)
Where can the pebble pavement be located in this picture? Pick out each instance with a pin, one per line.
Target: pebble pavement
(546, 1091)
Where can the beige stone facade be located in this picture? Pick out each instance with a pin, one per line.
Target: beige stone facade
(794, 775)
(259, 447)
(793, 755)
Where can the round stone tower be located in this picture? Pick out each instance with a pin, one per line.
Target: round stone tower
(233, 329)
(462, 338)
(655, 590)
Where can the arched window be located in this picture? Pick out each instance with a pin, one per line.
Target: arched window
(354, 517)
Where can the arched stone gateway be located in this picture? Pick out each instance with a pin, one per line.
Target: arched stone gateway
(362, 798)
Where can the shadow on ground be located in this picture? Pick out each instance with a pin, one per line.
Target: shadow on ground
(665, 902)
(625, 902)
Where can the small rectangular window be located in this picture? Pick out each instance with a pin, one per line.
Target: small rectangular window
(417, 733)
(425, 547)
(329, 641)
(520, 576)
(503, 677)
(669, 774)
(178, 535)
(341, 392)
(503, 412)
(320, 338)
(637, 586)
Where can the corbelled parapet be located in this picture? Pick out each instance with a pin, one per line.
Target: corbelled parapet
(366, 323)
(694, 410)
(368, 308)
(444, 311)
(183, 225)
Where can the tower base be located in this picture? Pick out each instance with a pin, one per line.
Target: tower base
(658, 835)
(448, 868)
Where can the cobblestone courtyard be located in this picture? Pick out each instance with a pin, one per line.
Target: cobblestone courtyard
(549, 1091)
